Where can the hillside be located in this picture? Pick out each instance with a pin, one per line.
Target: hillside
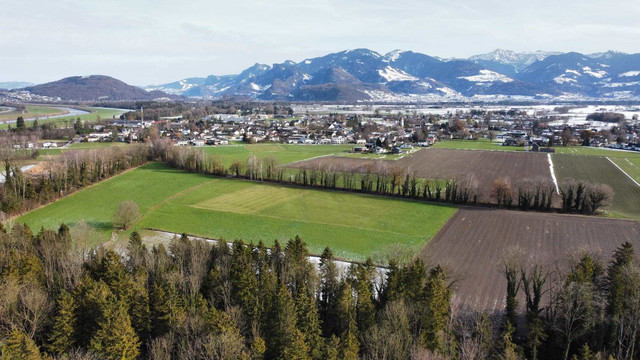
(93, 88)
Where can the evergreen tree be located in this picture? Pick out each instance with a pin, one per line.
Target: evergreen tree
(309, 323)
(297, 348)
(116, 339)
(349, 344)
(62, 337)
(332, 348)
(282, 329)
(436, 304)
(328, 292)
(20, 123)
(244, 284)
(20, 347)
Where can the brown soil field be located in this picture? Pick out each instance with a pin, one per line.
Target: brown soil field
(474, 242)
(481, 166)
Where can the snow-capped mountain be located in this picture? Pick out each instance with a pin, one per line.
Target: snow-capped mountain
(517, 61)
(365, 75)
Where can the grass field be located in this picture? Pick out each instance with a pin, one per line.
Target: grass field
(32, 110)
(594, 169)
(64, 121)
(355, 226)
(286, 153)
(629, 165)
(485, 144)
(480, 144)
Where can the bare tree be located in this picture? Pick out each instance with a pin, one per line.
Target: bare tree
(127, 213)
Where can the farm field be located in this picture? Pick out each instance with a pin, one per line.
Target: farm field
(286, 153)
(32, 110)
(472, 246)
(483, 166)
(480, 144)
(355, 226)
(593, 169)
(629, 165)
(65, 121)
(594, 151)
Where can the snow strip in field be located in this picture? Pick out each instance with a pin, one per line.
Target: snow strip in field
(553, 173)
(624, 172)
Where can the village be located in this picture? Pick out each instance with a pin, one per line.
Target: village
(377, 133)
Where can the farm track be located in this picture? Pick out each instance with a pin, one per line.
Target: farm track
(473, 242)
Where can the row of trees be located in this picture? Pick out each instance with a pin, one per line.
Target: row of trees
(60, 176)
(387, 178)
(374, 178)
(198, 300)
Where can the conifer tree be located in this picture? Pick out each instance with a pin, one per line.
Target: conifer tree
(309, 322)
(332, 348)
(297, 348)
(282, 327)
(244, 284)
(116, 339)
(20, 347)
(62, 334)
(328, 292)
(349, 344)
(436, 303)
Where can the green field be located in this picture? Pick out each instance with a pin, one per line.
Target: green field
(480, 144)
(65, 121)
(485, 144)
(599, 170)
(594, 151)
(286, 153)
(629, 165)
(32, 111)
(355, 226)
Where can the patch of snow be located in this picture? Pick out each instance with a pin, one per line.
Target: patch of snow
(487, 76)
(598, 74)
(575, 72)
(306, 77)
(255, 86)
(562, 79)
(393, 55)
(630, 74)
(391, 74)
(307, 62)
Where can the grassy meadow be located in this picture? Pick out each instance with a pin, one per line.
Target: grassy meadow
(355, 226)
(32, 110)
(64, 121)
(285, 153)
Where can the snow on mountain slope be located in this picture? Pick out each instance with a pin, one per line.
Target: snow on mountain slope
(487, 76)
(391, 74)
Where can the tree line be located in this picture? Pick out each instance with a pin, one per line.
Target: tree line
(200, 300)
(389, 179)
(64, 174)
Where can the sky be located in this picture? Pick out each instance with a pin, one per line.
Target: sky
(145, 42)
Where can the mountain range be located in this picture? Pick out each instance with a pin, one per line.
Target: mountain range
(365, 75)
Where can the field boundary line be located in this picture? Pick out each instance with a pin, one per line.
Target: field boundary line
(553, 173)
(624, 172)
(178, 194)
(312, 158)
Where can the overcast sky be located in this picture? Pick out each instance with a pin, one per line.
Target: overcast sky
(157, 41)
